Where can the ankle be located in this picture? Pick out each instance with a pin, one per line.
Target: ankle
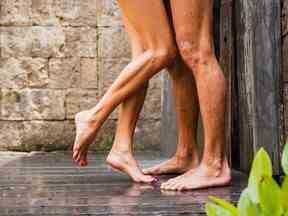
(122, 145)
(185, 156)
(121, 150)
(213, 162)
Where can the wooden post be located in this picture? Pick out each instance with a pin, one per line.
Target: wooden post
(226, 60)
(258, 69)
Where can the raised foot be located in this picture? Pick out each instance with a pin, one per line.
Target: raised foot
(201, 177)
(175, 165)
(85, 134)
(125, 162)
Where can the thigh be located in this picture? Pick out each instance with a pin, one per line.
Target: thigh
(149, 19)
(192, 21)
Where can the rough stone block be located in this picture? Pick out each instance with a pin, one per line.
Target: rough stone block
(76, 12)
(78, 100)
(47, 135)
(46, 104)
(43, 12)
(80, 41)
(108, 13)
(15, 12)
(109, 70)
(152, 104)
(64, 73)
(105, 137)
(12, 73)
(23, 72)
(147, 135)
(37, 71)
(14, 104)
(11, 135)
(113, 43)
(88, 42)
(89, 73)
(32, 41)
(32, 104)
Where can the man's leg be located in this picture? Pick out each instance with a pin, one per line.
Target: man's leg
(187, 110)
(193, 26)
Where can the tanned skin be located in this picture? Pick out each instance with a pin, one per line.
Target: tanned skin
(193, 25)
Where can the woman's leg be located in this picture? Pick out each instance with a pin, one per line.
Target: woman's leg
(149, 19)
(193, 25)
(187, 110)
(121, 154)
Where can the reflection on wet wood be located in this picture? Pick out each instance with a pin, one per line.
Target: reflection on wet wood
(50, 184)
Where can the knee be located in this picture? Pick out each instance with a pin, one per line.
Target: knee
(195, 55)
(163, 56)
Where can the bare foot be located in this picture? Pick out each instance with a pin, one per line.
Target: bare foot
(175, 165)
(202, 177)
(125, 162)
(85, 134)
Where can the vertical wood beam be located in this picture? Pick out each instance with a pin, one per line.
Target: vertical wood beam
(226, 60)
(258, 46)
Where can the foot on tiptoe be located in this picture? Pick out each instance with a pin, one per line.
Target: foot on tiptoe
(85, 134)
(125, 162)
(175, 165)
(204, 176)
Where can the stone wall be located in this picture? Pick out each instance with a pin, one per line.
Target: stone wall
(58, 57)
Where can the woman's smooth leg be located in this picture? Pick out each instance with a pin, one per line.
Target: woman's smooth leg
(159, 52)
(193, 25)
(187, 111)
(121, 154)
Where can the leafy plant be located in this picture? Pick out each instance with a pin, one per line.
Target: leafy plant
(262, 197)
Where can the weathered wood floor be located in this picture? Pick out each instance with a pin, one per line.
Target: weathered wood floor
(50, 184)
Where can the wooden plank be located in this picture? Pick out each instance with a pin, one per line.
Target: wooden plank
(226, 60)
(258, 70)
(49, 185)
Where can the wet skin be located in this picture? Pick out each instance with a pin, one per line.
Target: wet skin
(158, 52)
(193, 26)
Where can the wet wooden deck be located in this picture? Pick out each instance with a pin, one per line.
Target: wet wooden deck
(50, 184)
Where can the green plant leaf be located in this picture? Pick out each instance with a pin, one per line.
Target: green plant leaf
(245, 205)
(228, 206)
(284, 194)
(261, 167)
(285, 159)
(216, 210)
(270, 197)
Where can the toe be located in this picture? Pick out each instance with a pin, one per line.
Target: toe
(181, 187)
(172, 186)
(75, 155)
(148, 179)
(82, 162)
(146, 171)
(83, 159)
(78, 157)
(165, 185)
